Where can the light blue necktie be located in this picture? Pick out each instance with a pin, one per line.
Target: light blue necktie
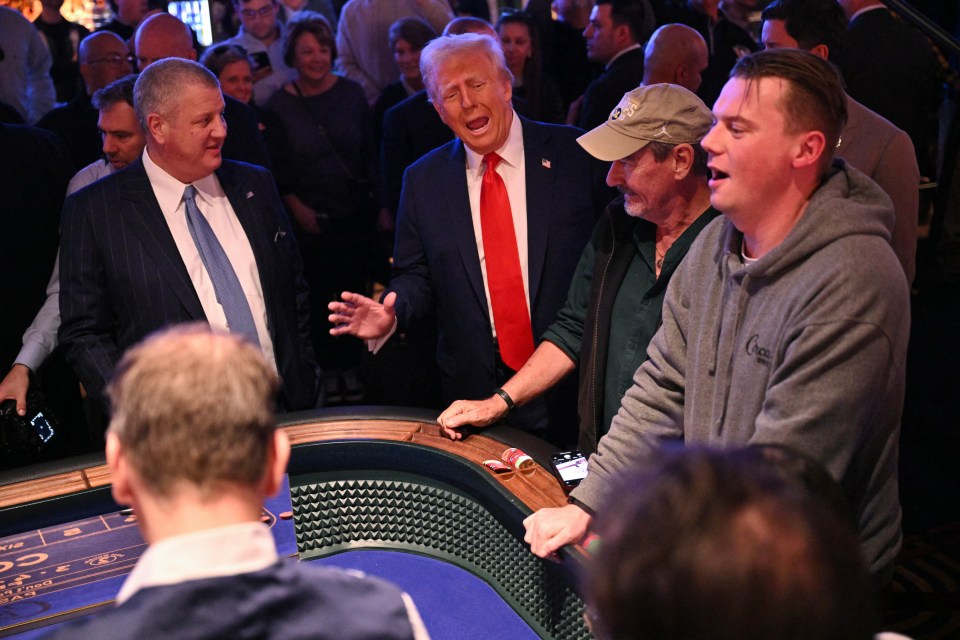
(225, 282)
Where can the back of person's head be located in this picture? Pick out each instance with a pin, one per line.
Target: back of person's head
(163, 36)
(159, 86)
(469, 24)
(194, 409)
(712, 544)
(803, 472)
(635, 14)
(810, 22)
(438, 51)
(217, 58)
(302, 23)
(416, 32)
(117, 91)
(675, 53)
(814, 99)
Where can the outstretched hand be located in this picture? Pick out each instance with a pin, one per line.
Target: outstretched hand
(363, 317)
(478, 413)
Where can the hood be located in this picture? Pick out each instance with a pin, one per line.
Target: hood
(848, 203)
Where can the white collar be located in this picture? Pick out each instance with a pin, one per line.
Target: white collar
(169, 190)
(620, 53)
(211, 553)
(865, 10)
(511, 152)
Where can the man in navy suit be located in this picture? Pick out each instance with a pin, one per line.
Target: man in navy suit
(615, 37)
(131, 262)
(196, 470)
(555, 191)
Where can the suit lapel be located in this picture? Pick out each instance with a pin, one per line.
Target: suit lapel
(142, 213)
(247, 201)
(849, 132)
(457, 206)
(539, 160)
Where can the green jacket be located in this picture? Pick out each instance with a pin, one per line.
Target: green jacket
(605, 326)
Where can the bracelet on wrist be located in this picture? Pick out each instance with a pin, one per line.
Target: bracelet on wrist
(511, 405)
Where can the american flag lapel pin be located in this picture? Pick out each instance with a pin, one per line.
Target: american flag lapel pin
(249, 194)
(545, 163)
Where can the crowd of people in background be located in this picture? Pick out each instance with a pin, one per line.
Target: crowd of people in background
(335, 94)
(612, 222)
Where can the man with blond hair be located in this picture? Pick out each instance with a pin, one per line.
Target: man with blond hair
(193, 447)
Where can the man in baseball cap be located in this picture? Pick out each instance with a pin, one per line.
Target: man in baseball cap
(613, 306)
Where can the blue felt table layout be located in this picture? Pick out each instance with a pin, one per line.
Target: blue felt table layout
(50, 571)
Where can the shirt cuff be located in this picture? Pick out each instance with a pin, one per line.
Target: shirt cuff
(32, 355)
(375, 344)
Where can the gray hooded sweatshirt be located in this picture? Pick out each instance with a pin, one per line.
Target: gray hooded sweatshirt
(805, 348)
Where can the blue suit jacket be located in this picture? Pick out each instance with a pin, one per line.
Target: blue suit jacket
(122, 276)
(437, 267)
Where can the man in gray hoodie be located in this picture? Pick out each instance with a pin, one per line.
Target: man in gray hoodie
(788, 321)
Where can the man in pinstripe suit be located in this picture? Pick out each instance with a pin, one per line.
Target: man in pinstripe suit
(130, 262)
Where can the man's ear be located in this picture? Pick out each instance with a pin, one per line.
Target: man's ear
(278, 456)
(821, 51)
(119, 470)
(683, 161)
(811, 145)
(156, 127)
(623, 35)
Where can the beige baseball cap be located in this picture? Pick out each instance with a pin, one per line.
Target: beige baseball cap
(654, 113)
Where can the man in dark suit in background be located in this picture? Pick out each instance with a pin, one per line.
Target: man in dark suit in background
(889, 67)
(181, 236)
(104, 57)
(553, 191)
(869, 142)
(615, 37)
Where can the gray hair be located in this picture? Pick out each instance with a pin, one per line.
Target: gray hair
(160, 85)
(442, 49)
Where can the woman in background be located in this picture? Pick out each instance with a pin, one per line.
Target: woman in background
(322, 144)
(408, 36)
(521, 48)
(231, 65)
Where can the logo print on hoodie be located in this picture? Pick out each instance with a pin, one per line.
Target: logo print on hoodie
(764, 355)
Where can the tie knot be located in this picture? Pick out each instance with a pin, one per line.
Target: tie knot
(190, 192)
(491, 160)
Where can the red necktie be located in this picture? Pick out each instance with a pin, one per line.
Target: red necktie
(504, 278)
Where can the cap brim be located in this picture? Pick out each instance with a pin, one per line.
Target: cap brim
(607, 144)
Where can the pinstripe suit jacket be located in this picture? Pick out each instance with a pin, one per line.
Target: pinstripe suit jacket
(122, 276)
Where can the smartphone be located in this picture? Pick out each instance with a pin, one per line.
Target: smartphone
(571, 466)
(43, 427)
(261, 60)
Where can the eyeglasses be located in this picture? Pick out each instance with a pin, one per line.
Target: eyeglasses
(114, 59)
(262, 12)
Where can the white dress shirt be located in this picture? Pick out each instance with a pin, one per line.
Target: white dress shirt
(210, 553)
(216, 208)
